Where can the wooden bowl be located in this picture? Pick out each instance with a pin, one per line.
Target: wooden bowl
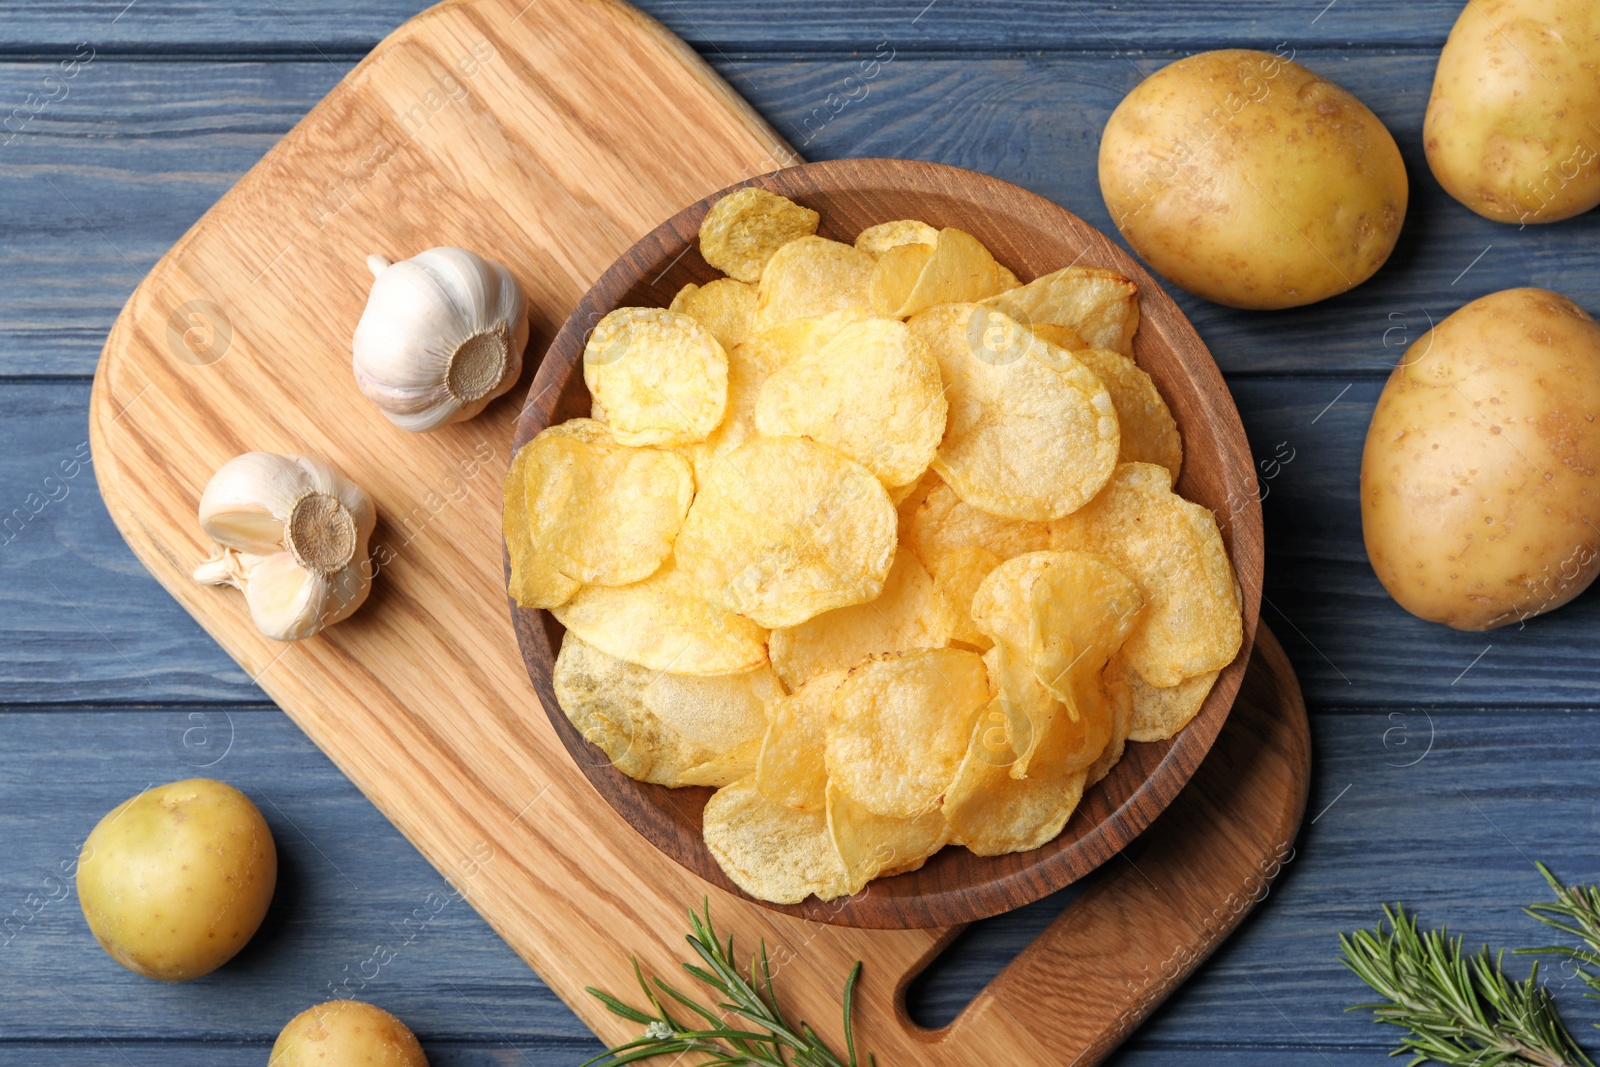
(1032, 236)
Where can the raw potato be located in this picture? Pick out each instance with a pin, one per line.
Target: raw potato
(1510, 130)
(1248, 180)
(1480, 503)
(175, 880)
(346, 1032)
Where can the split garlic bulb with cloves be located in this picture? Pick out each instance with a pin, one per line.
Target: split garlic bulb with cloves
(442, 335)
(291, 533)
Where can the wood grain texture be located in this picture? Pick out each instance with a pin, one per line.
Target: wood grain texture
(138, 150)
(418, 698)
(1033, 237)
(299, 26)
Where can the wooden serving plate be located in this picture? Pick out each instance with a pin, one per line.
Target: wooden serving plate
(1032, 236)
(585, 127)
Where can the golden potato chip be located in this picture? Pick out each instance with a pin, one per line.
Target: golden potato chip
(664, 623)
(661, 378)
(1031, 433)
(725, 307)
(907, 506)
(743, 229)
(670, 729)
(1159, 713)
(535, 582)
(792, 768)
(945, 524)
(895, 275)
(784, 529)
(1002, 606)
(780, 345)
(1060, 336)
(1149, 433)
(1099, 305)
(1173, 551)
(727, 768)
(1083, 610)
(960, 270)
(1120, 700)
(592, 430)
(876, 240)
(810, 277)
(873, 392)
(900, 726)
(871, 845)
(992, 813)
(747, 370)
(602, 513)
(909, 613)
(771, 851)
(1008, 281)
(958, 574)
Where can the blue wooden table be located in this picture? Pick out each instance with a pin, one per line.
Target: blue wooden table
(1445, 762)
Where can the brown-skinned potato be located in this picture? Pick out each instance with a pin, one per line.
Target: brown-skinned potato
(1247, 179)
(1480, 497)
(1510, 129)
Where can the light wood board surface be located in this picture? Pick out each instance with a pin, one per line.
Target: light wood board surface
(549, 136)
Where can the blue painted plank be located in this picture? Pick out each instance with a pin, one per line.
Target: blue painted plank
(102, 182)
(1502, 786)
(302, 26)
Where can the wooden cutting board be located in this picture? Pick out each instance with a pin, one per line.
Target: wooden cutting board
(550, 135)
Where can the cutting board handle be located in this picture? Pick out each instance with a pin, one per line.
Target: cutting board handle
(1156, 911)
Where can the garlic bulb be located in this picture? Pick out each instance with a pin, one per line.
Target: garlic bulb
(442, 335)
(291, 533)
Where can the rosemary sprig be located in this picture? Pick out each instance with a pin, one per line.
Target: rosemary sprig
(775, 1044)
(1576, 912)
(1459, 1009)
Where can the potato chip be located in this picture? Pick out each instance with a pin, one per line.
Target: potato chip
(992, 813)
(1008, 281)
(876, 240)
(872, 845)
(727, 768)
(1173, 551)
(811, 277)
(909, 613)
(1002, 609)
(1149, 433)
(535, 582)
(1099, 305)
(601, 513)
(1002, 606)
(725, 307)
(1120, 700)
(660, 727)
(1159, 713)
(660, 377)
(1083, 610)
(784, 529)
(1060, 336)
(743, 229)
(895, 275)
(664, 624)
(945, 524)
(1025, 438)
(960, 270)
(770, 851)
(907, 506)
(792, 768)
(747, 370)
(900, 726)
(873, 392)
(959, 573)
(780, 345)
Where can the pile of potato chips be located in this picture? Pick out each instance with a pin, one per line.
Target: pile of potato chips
(874, 539)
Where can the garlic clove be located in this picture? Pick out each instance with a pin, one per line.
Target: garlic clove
(245, 504)
(285, 599)
(442, 335)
